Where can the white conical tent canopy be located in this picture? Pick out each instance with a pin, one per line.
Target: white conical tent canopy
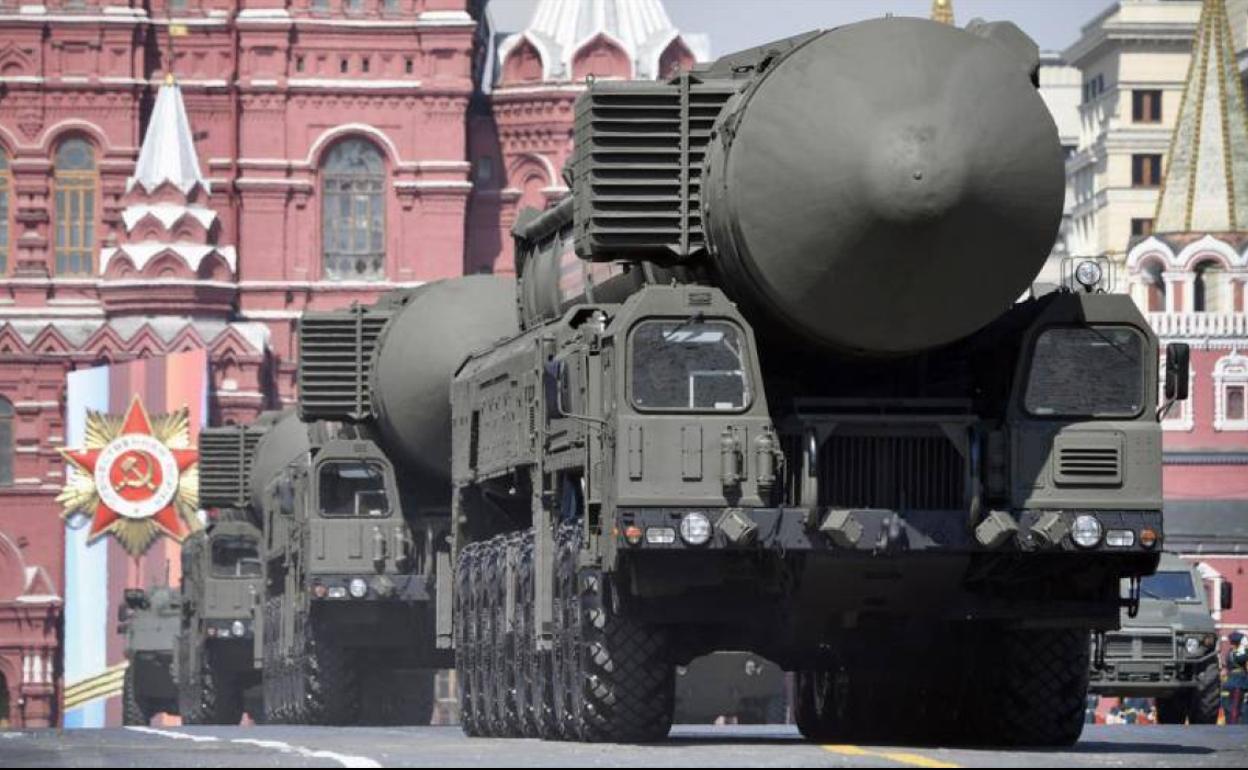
(168, 152)
(1206, 182)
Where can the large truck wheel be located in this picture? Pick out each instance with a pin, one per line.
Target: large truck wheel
(1034, 690)
(533, 682)
(1207, 698)
(466, 641)
(214, 696)
(331, 681)
(132, 709)
(814, 706)
(504, 715)
(623, 687)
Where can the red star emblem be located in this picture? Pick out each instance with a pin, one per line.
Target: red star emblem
(137, 477)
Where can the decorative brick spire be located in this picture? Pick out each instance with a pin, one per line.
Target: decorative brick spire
(1205, 188)
(942, 11)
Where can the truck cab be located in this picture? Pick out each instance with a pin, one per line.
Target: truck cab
(221, 574)
(346, 590)
(1168, 650)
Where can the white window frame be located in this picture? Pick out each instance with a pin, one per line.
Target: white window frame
(1231, 369)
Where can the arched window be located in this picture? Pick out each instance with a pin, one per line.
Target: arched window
(1154, 279)
(4, 212)
(1209, 288)
(6, 442)
(74, 186)
(353, 227)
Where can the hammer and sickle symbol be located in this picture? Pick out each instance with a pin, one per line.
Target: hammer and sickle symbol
(134, 477)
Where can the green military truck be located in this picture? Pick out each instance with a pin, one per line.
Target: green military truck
(149, 620)
(221, 573)
(773, 392)
(1168, 650)
(764, 384)
(343, 617)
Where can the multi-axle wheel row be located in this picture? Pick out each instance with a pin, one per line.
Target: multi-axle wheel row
(605, 678)
(608, 678)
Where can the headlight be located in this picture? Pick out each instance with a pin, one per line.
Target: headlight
(1193, 647)
(358, 588)
(1087, 531)
(695, 528)
(238, 628)
(1088, 274)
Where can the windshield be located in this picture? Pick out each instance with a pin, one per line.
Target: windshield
(1169, 586)
(1087, 372)
(354, 488)
(689, 366)
(234, 557)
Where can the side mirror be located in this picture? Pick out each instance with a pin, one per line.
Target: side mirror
(1225, 600)
(1178, 368)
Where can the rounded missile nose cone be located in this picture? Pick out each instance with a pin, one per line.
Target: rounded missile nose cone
(912, 174)
(885, 188)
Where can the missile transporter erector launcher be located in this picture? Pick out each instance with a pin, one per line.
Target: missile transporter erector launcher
(773, 392)
(341, 620)
(221, 575)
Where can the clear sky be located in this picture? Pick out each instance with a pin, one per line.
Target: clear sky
(736, 24)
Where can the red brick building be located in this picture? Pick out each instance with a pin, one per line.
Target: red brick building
(313, 153)
(1190, 277)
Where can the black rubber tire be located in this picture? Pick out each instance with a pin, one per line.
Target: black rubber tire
(465, 641)
(812, 707)
(504, 716)
(214, 698)
(132, 710)
(331, 680)
(276, 676)
(533, 700)
(507, 638)
(1033, 687)
(483, 681)
(623, 684)
(1207, 698)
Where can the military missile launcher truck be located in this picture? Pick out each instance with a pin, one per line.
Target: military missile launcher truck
(149, 620)
(773, 391)
(221, 574)
(343, 622)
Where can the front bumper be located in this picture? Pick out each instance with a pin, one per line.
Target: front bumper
(229, 628)
(876, 531)
(336, 588)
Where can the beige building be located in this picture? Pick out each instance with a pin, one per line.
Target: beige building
(1134, 61)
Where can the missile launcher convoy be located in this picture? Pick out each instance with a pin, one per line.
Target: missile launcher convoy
(761, 384)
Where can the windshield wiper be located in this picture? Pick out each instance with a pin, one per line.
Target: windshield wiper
(696, 318)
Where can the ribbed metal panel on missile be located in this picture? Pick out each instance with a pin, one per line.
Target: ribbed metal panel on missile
(225, 456)
(639, 152)
(335, 361)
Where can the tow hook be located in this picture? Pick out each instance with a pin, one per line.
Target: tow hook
(1132, 602)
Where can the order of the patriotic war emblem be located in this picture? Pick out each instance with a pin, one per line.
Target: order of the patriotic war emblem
(136, 476)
